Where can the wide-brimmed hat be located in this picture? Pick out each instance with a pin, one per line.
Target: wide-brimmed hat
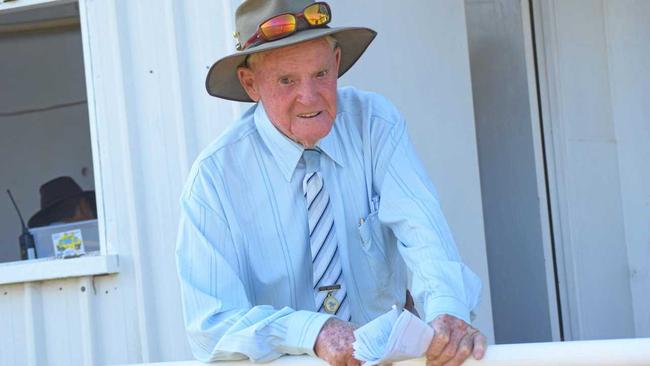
(222, 80)
(53, 194)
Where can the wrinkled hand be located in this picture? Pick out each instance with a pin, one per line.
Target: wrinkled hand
(454, 341)
(334, 343)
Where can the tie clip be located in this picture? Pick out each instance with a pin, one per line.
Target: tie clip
(329, 288)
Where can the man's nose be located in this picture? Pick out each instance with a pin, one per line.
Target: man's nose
(307, 92)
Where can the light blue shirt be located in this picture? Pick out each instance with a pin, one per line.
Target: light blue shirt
(243, 252)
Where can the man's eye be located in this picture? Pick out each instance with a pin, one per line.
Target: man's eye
(321, 74)
(285, 81)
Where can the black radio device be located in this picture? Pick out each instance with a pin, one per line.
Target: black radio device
(25, 240)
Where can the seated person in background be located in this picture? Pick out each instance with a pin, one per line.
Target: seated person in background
(63, 201)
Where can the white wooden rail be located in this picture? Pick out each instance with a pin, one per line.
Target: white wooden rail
(611, 352)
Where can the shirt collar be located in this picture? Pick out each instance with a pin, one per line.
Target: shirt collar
(286, 152)
(330, 144)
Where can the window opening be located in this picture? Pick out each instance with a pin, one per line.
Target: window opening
(45, 145)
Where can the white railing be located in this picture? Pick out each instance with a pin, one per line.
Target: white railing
(611, 352)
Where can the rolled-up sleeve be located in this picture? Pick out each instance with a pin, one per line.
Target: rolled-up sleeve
(221, 322)
(410, 207)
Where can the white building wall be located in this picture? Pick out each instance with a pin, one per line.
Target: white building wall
(595, 90)
(629, 68)
(150, 116)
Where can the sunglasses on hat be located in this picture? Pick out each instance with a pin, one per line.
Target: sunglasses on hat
(279, 26)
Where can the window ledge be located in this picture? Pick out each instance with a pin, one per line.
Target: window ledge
(52, 268)
(18, 5)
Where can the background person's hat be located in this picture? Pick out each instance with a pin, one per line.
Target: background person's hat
(222, 80)
(53, 194)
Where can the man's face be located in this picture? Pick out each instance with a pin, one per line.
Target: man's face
(297, 85)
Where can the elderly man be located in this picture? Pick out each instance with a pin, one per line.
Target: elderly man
(300, 222)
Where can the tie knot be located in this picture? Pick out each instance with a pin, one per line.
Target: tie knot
(312, 160)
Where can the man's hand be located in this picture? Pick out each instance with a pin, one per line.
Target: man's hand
(453, 341)
(334, 343)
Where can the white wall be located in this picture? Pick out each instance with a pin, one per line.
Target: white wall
(629, 53)
(595, 92)
(44, 131)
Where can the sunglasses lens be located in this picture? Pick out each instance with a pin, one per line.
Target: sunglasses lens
(278, 27)
(317, 14)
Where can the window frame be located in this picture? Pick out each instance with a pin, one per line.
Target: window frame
(92, 264)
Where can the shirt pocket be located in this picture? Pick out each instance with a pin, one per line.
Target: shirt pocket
(372, 241)
(380, 268)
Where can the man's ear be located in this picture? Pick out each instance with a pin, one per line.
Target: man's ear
(337, 55)
(247, 80)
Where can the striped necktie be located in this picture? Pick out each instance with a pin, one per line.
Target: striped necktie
(325, 256)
